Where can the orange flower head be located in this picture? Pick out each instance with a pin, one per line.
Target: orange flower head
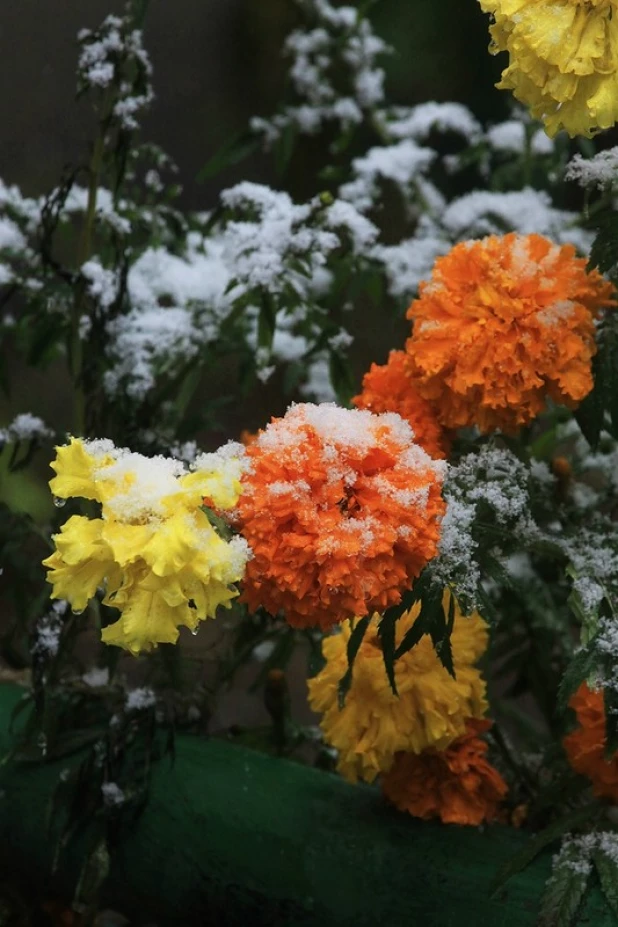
(341, 510)
(390, 387)
(458, 785)
(585, 746)
(504, 324)
(430, 710)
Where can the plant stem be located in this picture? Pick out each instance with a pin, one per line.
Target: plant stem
(83, 253)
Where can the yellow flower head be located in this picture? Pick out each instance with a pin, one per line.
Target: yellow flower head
(153, 550)
(563, 60)
(431, 709)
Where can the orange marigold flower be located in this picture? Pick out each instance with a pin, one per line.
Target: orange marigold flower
(585, 746)
(458, 785)
(504, 324)
(390, 387)
(431, 708)
(341, 510)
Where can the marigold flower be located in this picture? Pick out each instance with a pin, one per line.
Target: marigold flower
(341, 510)
(390, 387)
(504, 324)
(458, 785)
(563, 60)
(153, 550)
(431, 709)
(585, 746)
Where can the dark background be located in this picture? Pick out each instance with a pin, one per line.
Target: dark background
(216, 63)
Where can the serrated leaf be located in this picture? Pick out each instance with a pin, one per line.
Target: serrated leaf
(565, 889)
(604, 250)
(431, 601)
(606, 866)
(386, 632)
(538, 843)
(356, 639)
(578, 670)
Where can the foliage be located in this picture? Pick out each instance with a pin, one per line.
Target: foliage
(146, 308)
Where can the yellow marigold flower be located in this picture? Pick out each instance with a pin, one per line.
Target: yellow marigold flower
(563, 60)
(160, 561)
(432, 707)
(504, 324)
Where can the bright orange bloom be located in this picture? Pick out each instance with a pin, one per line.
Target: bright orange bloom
(504, 324)
(458, 785)
(390, 388)
(585, 746)
(341, 510)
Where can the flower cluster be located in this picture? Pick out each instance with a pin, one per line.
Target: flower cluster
(585, 745)
(153, 550)
(341, 510)
(458, 785)
(390, 387)
(431, 709)
(505, 324)
(563, 60)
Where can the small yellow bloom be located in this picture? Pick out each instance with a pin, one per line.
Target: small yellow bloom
(431, 709)
(563, 60)
(160, 561)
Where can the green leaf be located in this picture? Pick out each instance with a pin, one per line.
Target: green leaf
(426, 623)
(579, 669)
(565, 889)
(267, 321)
(221, 527)
(386, 632)
(341, 377)
(284, 148)
(610, 703)
(232, 152)
(356, 639)
(91, 878)
(606, 866)
(531, 850)
(604, 251)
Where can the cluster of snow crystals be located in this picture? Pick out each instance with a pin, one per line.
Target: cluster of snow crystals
(102, 283)
(510, 137)
(420, 121)
(594, 558)
(494, 477)
(49, 629)
(405, 164)
(113, 796)
(229, 462)
(540, 472)
(260, 248)
(263, 650)
(318, 384)
(25, 427)
(106, 210)
(575, 855)
(598, 171)
(140, 699)
(343, 215)
(484, 212)
(96, 677)
(341, 42)
(412, 260)
(106, 54)
(177, 306)
(143, 482)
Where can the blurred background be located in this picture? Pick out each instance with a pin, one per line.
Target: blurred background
(216, 64)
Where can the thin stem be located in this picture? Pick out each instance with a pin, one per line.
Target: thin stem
(83, 253)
